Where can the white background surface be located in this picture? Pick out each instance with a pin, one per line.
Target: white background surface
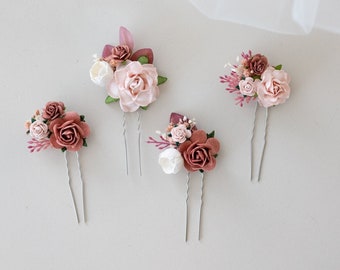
(290, 220)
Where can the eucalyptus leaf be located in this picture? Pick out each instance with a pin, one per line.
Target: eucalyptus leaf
(161, 80)
(143, 60)
(110, 99)
(211, 134)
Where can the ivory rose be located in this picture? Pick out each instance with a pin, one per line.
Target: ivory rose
(274, 88)
(38, 130)
(248, 86)
(101, 73)
(68, 132)
(135, 85)
(171, 161)
(53, 110)
(199, 153)
(180, 133)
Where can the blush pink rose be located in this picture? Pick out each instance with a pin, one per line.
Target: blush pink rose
(274, 88)
(68, 132)
(135, 85)
(180, 133)
(248, 86)
(199, 152)
(53, 110)
(38, 130)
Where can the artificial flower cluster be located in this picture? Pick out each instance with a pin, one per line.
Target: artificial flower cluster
(53, 126)
(186, 146)
(254, 79)
(128, 77)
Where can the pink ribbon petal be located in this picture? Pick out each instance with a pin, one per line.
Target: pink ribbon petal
(107, 50)
(125, 38)
(143, 52)
(175, 117)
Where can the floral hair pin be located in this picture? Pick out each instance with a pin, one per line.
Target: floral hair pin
(188, 147)
(129, 78)
(254, 79)
(53, 127)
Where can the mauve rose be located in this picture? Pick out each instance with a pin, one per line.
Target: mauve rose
(258, 64)
(118, 55)
(274, 88)
(38, 130)
(180, 133)
(199, 152)
(53, 110)
(135, 85)
(68, 132)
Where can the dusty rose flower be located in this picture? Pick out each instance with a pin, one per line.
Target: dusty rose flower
(180, 133)
(258, 64)
(274, 88)
(118, 55)
(248, 86)
(68, 132)
(135, 85)
(38, 130)
(53, 110)
(199, 152)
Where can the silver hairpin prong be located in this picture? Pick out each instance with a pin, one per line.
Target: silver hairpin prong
(71, 190)
(187, 208)
(125, 144)
(252, 144)
(264, 145)
(201, 206)
(82, 187)
(139, 115)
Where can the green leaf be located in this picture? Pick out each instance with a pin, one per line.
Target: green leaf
(84, 142)
(211, 134)
(256, 77)
(63, 149)
(33, 120)
(143, 60)
(82, 118)
(201, 171)
(278, 67)
(161, 80)
(110, 99)
(144, 107)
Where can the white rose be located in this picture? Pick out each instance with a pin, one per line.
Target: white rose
(101, 73)
(171, 161)
(39, 130)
